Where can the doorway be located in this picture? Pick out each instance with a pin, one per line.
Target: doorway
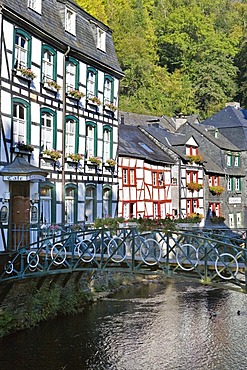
(19, 215)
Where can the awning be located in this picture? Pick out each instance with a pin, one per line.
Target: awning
(21, 170)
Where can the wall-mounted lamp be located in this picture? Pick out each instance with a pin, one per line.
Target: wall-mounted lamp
(6, 197)
(35, 198)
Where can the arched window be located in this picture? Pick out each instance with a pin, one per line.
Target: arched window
(107, 142)
(90, 203)
(70, 203)
(108, 90)
(49, 64)
(91, 139)
(107, 202)
(22, 50)
(21, 121)
(71, 135)
(72, 74)
(48, 129)
(92, 82)
(47, 203)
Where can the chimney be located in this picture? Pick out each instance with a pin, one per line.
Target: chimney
(122, 119)
(233, 104)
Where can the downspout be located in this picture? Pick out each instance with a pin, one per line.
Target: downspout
(179, 188)
(63, 133)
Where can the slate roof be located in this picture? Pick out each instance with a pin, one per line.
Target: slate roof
(232, 123)
(20, 167)
(51, 22)
(129, 118)
(209, 132)
(134, 143)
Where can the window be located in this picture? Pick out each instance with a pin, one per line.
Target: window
(231, 220)
(35, 5)
(70, 21)
(237, 161)
(70, 203)
(214, 181)
(91, 139)
(48, 129)
(92, 82)
(192, 205)
(21, 121)
(72, 74)
(129, 210)
(239, 219)
(158, 178)
(192, 176)
(22, 53)
(107, 143)
(71, 135)
(49, 64)
(108, 90)
(129, 177)
(107, 202)
(156, 210)
(101, 39)
(238, 184)
(90, 201)
(229, 160)
(230, 184)
(215, 208)
(191, 150)
(45, 204)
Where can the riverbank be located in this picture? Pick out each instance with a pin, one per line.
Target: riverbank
(26, 303)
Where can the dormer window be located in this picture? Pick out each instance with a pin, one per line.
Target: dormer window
(35, 5)
(101, 39)
(70, 17)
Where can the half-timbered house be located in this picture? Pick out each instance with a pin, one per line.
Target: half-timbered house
(58, 116)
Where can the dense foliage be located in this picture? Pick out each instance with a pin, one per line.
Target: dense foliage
(178, 56)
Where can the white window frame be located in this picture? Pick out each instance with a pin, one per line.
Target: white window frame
(47, 65)
(107, 91)
(35, 5)
(237, 184)
(70, 136)
(231, 220)
(101, 39)
(239, 219)
(45, 206)
(91, 82)
(46, 130)
(106, 202)
(21, 51)
(89, 204)
(70, 75)
(106, 144)
(70, 21)
(19, 123)
(90, 141)
(70, 205)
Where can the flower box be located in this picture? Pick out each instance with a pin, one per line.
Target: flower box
(94, 100)
(194, 186)
(26, 73)
(94, 160)
(52, 154)
(195, 159)
(21, 147)
(74, 157)
(52, 85)
(111, 107)
(75, 94)
(216, 190)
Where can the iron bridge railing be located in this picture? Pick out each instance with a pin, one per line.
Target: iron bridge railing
(211, 256)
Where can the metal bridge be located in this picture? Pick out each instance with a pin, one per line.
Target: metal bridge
(208, 255)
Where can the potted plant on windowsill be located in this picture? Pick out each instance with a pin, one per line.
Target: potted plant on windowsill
(94, 100)
(94, 160)
(74, 157)
(194, 186)
(76, 94)
(20, 146)
(52, 154)
(195, 158)
(26, 73)
(217, 219)
(110, 106)
(216, 190)
(52, 85)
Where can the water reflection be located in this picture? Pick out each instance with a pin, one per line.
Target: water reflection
(179, 326)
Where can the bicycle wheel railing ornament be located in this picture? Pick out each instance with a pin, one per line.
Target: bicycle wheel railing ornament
(226, 263)
(116, 249)
(150, 251)
(187, 257)
(58, 254)
(85, 249)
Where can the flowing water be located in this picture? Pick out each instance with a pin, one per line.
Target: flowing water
(178, 326)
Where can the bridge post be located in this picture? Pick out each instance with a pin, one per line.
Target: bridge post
(206, 278)
(245, 260)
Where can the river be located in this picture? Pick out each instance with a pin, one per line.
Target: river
(182, 325)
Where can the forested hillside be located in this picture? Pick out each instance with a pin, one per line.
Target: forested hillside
(178, 56)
